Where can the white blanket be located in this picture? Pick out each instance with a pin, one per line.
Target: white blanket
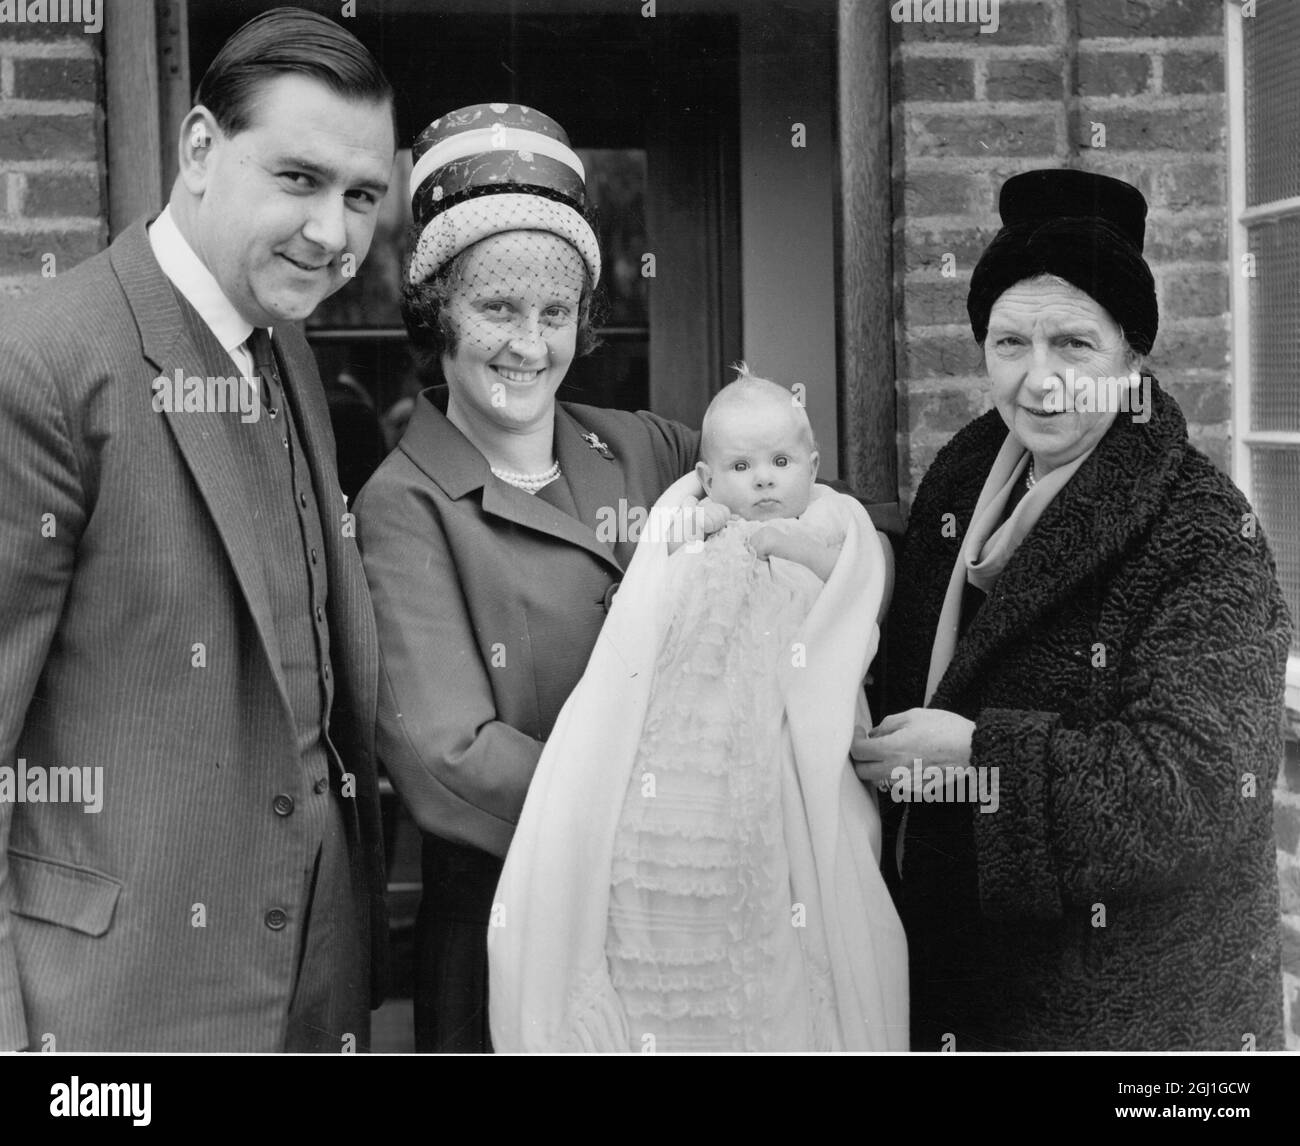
(549, 987)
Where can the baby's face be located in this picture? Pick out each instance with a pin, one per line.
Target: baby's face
(759, 464)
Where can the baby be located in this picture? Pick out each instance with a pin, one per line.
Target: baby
(758, 460)
(699, 774)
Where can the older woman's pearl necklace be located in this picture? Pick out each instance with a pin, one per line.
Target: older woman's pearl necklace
(529, 483)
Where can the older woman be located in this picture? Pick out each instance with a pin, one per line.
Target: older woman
(480, 534)
(1088, 612)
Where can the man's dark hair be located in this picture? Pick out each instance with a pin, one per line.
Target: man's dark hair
(288, 41)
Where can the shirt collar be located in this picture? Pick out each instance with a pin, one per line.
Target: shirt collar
(185, 269)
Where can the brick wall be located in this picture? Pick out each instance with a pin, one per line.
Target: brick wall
(971, 109)
(52, 174)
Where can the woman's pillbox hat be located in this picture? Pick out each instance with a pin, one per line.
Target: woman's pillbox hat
(494, 167)
(1085, 228)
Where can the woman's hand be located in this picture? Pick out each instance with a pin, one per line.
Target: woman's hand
(930, 735)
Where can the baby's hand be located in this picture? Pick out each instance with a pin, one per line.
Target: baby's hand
(700, 519)
(795, 542)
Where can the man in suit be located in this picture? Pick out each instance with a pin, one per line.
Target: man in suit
(184, 618)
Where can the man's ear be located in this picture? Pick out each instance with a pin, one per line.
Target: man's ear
(705, 475)
(199, 133)
(814, 463)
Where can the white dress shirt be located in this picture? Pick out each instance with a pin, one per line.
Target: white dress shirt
(201, 290)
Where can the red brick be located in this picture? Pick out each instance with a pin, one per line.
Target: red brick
(1017, 24)
(1149, 18)
(937, 193)
(935, 303)
(47, 137)
(983, 135)
(943, 354)
(1175, 239)
(925, 250)
(1195, 293)
(1286, 826)
(49, 195)
(1025, 79)
(1291, 952)
(1187, 72)
(1289, 886)
(55, 79)
(1179, 186)
(1178, 350)
(1112, 73)
(1205, 403)
(1195, 129)
(44, 31)
(927, 77)
(1213, 443)
(943, 410)
(23, 253)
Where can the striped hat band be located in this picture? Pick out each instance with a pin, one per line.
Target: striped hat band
(514, 164)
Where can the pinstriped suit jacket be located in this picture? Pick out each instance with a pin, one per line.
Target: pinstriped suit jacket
(125, 546)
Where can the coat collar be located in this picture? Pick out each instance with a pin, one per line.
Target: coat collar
(455, 465)
(1114, 498)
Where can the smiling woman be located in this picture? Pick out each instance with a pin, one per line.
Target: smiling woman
(480, 536)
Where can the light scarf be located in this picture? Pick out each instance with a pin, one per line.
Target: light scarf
(988, 545)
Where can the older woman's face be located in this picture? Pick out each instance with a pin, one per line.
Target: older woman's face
(1043, 334)
(515, 313)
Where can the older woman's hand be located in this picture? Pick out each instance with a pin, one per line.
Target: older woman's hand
(927, 734)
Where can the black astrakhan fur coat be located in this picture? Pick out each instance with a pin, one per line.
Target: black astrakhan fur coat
(1126, 679)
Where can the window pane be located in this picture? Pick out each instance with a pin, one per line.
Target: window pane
(1274, 329)
(1271, 40)
(1275, 479)
(616, 182)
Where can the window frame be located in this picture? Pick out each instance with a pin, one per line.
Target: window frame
(1241, 219)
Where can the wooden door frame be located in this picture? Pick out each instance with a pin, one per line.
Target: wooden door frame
(147, 95)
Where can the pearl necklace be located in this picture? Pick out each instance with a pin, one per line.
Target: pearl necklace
(529, 483)
(1030, 480)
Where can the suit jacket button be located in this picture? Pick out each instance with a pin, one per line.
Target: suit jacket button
(609, 594)
(276, 919)
(321, 785)
(283, 805)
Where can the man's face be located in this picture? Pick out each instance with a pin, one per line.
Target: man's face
(287, 208)
(759, 463)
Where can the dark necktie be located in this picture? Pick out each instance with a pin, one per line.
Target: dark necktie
(259, 346)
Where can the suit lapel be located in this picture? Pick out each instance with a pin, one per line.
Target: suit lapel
(171, 341)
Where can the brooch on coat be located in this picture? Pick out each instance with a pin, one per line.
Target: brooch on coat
(596, 444)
